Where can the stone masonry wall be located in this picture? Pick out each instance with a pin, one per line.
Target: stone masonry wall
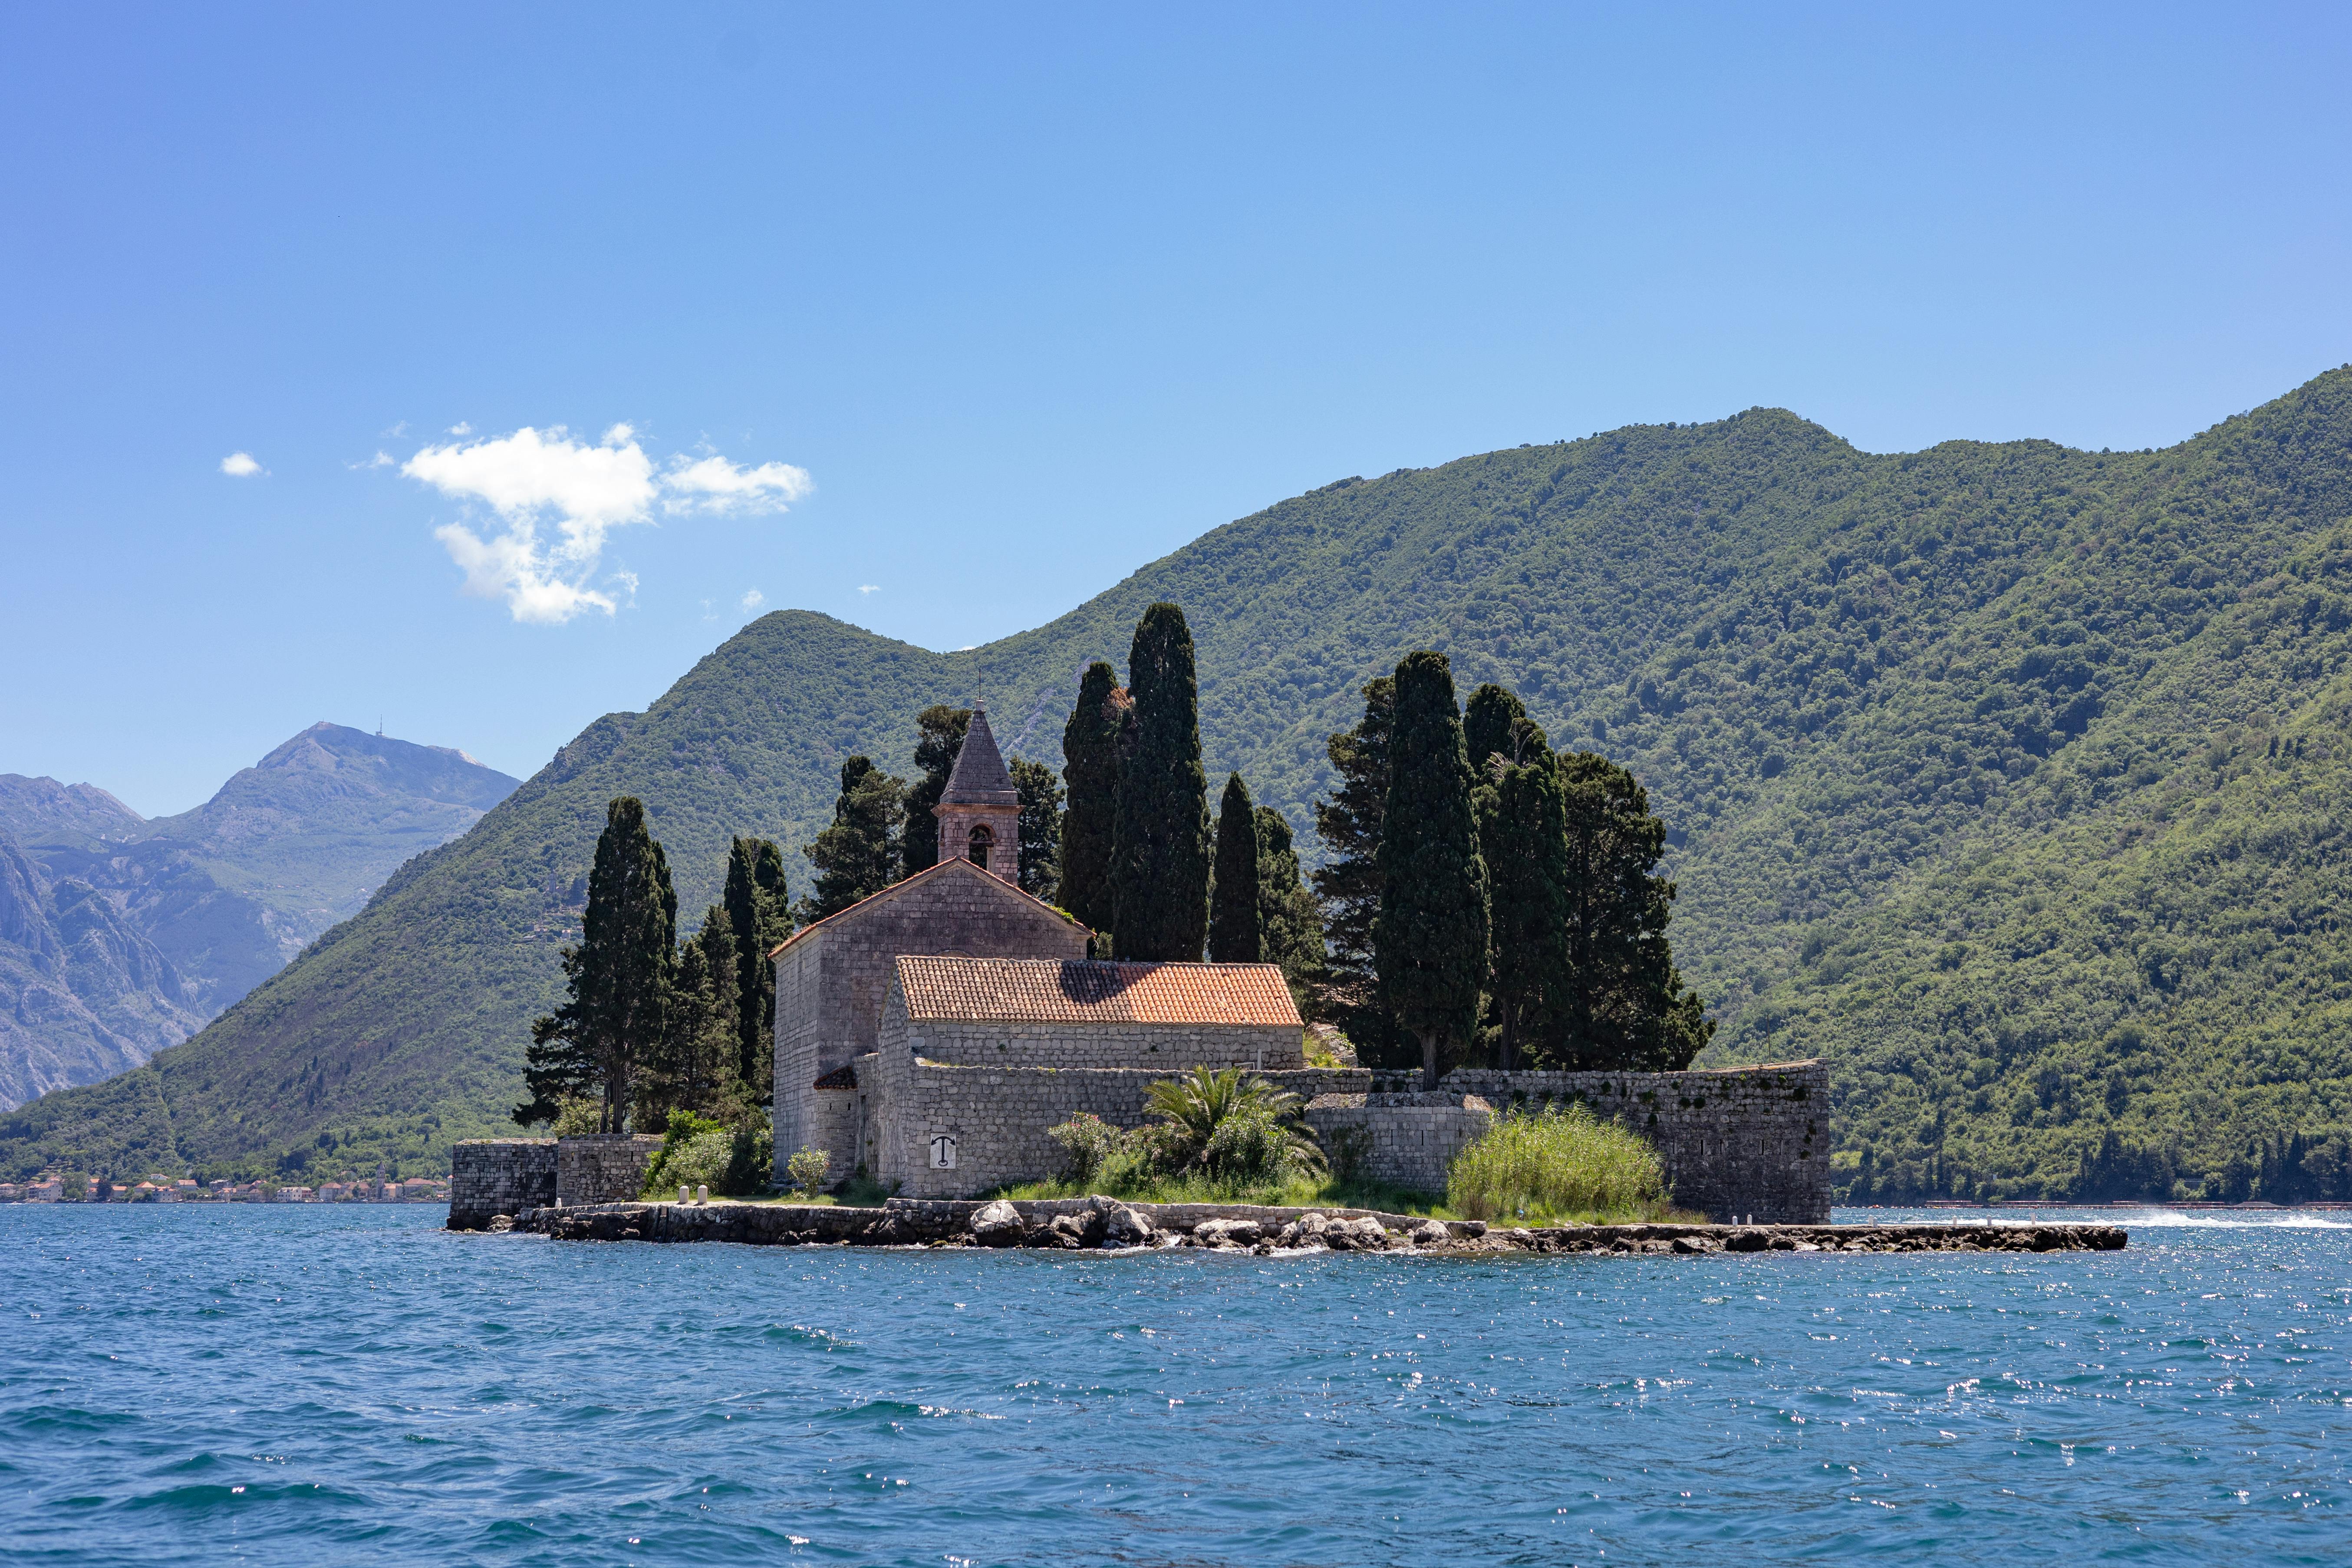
(498, 1175)
(1406, 1140)
(1736, 1140)
(603, 1167)
(830, 982)
(1159, 1048)
(998, 1116)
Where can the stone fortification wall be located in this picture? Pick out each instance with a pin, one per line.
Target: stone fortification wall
(1737, 1141)
(602, 1168)
(491, 1176)
(830, 978)
(1408, 1139)
(1159, 1048)
(997, 1117)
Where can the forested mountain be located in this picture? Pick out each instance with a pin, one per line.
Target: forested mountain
(2004, 775)
(120, 936)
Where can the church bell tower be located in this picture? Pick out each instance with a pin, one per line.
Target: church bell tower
(979, 812)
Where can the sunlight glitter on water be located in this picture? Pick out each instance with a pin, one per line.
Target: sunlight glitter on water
(292, 1385)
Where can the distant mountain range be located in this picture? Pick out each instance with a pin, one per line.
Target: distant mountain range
(2011, 778)
(120, 936)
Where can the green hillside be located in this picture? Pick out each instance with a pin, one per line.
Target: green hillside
(1968, 754)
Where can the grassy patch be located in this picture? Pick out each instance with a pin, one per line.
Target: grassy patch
(1559, 1167)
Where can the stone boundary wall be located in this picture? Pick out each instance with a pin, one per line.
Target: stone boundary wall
(1165, 1048)
(1406, 1140)
(1734, 1140)
(603, 1167)
(998, 1116)
(491, 1176)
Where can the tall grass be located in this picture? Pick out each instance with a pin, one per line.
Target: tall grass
(1555, 1166)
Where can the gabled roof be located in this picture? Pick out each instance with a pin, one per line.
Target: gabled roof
(979, 776)
(943, 869)
(1088, 991)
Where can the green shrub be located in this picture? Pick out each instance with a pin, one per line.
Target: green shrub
(578, 1117)
(1218, 1124)
(1554, 1165)
(1088, 1143)
(808, 1171)
(698, 1151)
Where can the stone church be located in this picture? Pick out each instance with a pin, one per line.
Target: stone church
(929, 1035)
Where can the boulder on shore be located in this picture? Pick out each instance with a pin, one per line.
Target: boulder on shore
(996, 1224)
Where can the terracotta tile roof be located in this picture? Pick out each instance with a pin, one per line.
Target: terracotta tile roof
(1083, 991)
(895, 888)
(843, 1077)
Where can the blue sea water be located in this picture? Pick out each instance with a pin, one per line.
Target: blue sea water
(352, 1384)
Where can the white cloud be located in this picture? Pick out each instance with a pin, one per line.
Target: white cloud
(240, 466)
(461, 429)
(381, 460)
(714, 484)
(869, 587)
(536, 478)
(754, 599)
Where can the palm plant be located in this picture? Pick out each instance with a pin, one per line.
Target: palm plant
(1217, 1121)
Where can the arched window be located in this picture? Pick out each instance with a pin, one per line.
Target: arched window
(983, 840)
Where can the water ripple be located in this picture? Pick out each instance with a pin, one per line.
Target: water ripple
(296, 1386)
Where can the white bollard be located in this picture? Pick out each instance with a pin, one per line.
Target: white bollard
(681, 1192)
(702, 1195)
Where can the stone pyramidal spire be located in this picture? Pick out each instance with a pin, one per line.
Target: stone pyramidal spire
(979, 777)
(979, 811)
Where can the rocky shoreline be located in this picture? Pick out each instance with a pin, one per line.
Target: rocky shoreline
(1100, 1223)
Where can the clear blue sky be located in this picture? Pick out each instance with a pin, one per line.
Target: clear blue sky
(1029, 296)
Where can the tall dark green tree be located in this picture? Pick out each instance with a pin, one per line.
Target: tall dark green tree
(618, 977)
(1490, 727)
(758, 911)
(1623, 1003)
(1430, 938)
(1090, 744)
(1040, 827)
(857, 855)
(1522, 835)
(1347, 884)
(695, 1068)
(1289, 921)
(1235, 932)
(940, 736)
(1160, 849)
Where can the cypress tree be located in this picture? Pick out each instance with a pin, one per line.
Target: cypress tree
(1430, 940)
(696, 1068)
(1288, 923)
(1490, 727)
(940, 736)
(1347, 884)
(1040, 827)
(618, 976)
(1090, 769)
(1160, 849)
(759, 910)
(1235, 932)
(1623, 1003)
(1522, 835)
(855, 858)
